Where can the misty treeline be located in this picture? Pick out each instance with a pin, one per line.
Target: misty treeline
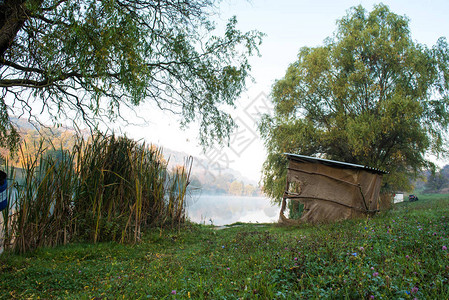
(434, 182)
(225, 183)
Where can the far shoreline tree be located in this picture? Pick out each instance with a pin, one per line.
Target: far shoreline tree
(370, 95)
(86, 60)
(437, 181)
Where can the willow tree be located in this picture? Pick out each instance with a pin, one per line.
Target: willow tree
(370, 95)
(88, 59)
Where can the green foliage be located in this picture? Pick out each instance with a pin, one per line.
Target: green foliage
(88, 59)
(9, 137)
(395, 255)
(370, 95)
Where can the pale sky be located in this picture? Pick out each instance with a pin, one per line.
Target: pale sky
(288, 25)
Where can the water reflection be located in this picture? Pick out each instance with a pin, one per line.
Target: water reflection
(225, 209)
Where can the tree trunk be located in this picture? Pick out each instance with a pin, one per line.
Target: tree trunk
(12, 18)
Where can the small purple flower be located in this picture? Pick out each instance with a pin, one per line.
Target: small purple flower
(295, 258)
(444, 248)
(371, 297)
(173, 292)
(407, 256)
(372, 268)
(222, 247)
(414, 290)
(228, 268)
(375, 274)
(362, 249)
(79, 272)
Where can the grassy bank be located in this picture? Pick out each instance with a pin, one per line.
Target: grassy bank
(398, 254)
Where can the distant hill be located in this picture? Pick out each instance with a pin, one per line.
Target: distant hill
(24, 124)
(211, 179)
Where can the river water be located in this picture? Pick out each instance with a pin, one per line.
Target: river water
(226, 209)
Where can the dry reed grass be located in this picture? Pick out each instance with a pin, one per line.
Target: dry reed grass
(105, 189)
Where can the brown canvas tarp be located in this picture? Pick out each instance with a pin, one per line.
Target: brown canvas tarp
(329, 190)
(385, 201)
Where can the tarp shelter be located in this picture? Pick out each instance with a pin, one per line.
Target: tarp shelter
(330, 190)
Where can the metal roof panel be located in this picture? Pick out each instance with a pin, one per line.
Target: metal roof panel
(336, 163)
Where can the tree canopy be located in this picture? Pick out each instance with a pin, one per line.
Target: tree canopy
(370, 95)
(87, 59)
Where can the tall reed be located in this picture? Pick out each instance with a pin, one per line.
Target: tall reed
(105, 188)
(39, 213)
(177, 184)
(5, 225)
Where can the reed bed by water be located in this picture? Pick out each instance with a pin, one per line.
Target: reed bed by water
(105, 189)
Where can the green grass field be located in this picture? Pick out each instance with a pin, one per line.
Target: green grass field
(431, 197)
(399, 254)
